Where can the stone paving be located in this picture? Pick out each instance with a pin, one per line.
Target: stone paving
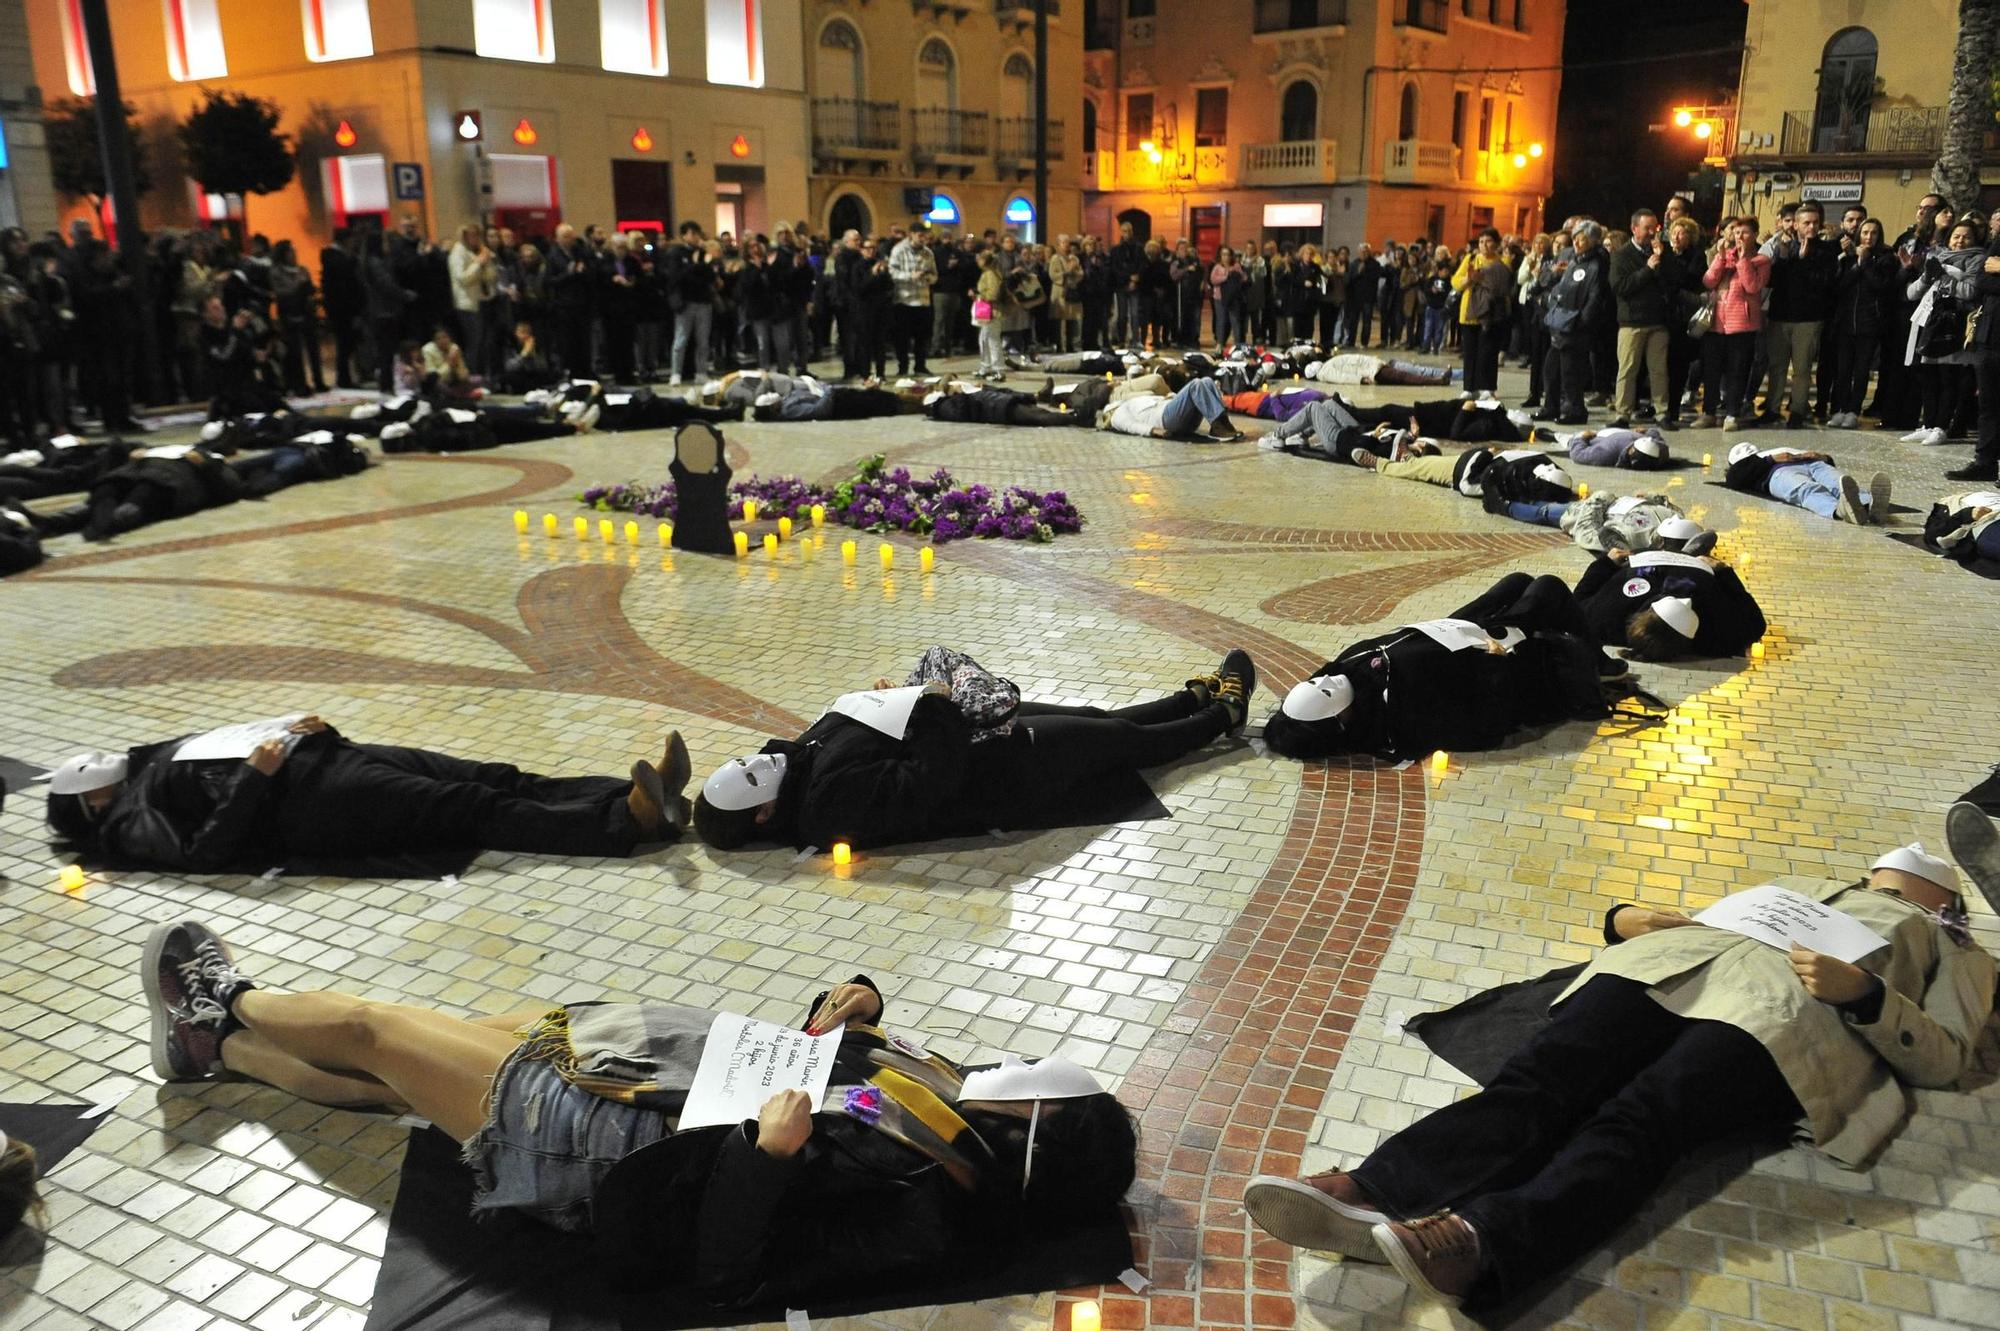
(1240, 973)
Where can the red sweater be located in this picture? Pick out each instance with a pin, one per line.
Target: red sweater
(1739, 288)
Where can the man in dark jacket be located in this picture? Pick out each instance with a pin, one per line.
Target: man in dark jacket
(1578, 307)
(342, 294)
(1641, 282)
(1364, 286)
(573, 291)
(312, 792)
(1128, 261)
(1662, 604)
(1803, 278)
(846, 780)
(1985, 464)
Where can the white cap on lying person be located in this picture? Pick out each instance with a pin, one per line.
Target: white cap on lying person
(1319, 698)
(1914, 859)
(1678, 613)
(1741, 451)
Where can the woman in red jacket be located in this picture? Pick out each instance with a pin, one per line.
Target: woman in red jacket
(1737, 276)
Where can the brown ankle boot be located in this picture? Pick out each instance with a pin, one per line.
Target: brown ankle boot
(647, 803)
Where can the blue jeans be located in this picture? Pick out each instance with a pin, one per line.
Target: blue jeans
(693, 323)
(1433, 338)
(1541, 515)
(1198, 400)
(1813, 486)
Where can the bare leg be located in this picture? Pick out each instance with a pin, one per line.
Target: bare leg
(440, 1066)
(252, 1055)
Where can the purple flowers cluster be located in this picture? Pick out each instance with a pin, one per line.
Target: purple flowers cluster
(878, 499)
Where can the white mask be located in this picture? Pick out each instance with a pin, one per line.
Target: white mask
(87, 772)
(1016, 1079)
(1319, 698)
(745, 783)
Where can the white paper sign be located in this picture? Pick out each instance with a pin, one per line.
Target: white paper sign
(1781, 917)
(238, 741)
(1457, 635)
(747, 1061)
(887, 710)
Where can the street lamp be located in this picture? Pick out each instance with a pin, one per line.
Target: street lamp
(1683, 117)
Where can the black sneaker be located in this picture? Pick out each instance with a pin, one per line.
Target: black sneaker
(1974, 471)
(1493, 502)
(1239, 681)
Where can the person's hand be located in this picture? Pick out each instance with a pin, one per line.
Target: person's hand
(1498, 648)
(784, 1124)
(1653, 260)
(1634, 921)
(1992, 264)
(845, 1005)
(242, 319)
(884, 682)
(268, 757)
(1617, 554)
(939, 688)
(1829, 979)
(306, 725)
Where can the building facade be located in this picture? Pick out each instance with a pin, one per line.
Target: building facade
(1330, 121)
(928, 108)
(1842, 101)
(27, 198)
(524, 112)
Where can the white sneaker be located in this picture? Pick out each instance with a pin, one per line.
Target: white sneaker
(1850, 508)
(1729, 425)
(1878, 497)
(675, 382)
(1933, 437)
(1915, 436)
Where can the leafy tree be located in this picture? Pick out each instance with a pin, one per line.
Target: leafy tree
(233, 145)
(76, 158)
(1969, 112)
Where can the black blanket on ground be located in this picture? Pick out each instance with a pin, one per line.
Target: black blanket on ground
(16, 775)
(53, 1130)
(1480, 1034)
(441, 1271)
(1986, 794)
(1121, 798)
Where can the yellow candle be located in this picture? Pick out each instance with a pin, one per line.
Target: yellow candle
(1086, 1316)
(1756, 651)
(631, 533)
(842, 854)
(608, 531)
(749, 510)
(808, 547)
(819, 515)
(847, 552)
(1440, 762)
(887, 554)
(666, 531)
(1582, 490)
(521, 521)
(742, 544)
(770, 544)
(1107, 376)
(785, 528)
(1708, 459)
(926, 559)
(72, 877)
(549, 524)
(582, 526)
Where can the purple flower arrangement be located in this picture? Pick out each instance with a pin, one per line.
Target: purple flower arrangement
(878, 499)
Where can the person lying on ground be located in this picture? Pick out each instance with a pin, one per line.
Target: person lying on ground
(988, 405)
(152, 485)
(844, 780)
(1676, 1037)
(1454, 420)
(1965, 526)
(1665, 604)
(1640, 450)
(1513, 475)
(20, 539)
(1280, 402)
(1196, 406)
(1606, 522)
(1809, 481)
(1518, 655)
(570, 1116)
(810, 400)
(59, 466)
(315, 793)
(1326, 432)
(1353, 367)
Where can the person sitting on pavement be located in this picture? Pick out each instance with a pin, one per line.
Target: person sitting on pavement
(847, 781)
(1675, 1037)
(314, 792)
(1809, 481)
(569, 1115)
(1664, 604)
(1518, 655)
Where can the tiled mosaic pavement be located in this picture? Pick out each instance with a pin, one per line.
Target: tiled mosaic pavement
(1240, 971)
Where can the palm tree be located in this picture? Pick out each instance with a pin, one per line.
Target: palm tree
(1969, 113)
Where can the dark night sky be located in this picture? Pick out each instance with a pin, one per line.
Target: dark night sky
(1607, 163)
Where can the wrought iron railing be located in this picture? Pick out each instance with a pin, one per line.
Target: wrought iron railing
(1014, 139)
(844, 122)
(938, 129)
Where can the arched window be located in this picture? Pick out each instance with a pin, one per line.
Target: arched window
(1846, 91)
(1406, 119)
(1298, 115)
(937, 76)
(1089, 125)
(1017, 87)
(849, 213)
(838, 62)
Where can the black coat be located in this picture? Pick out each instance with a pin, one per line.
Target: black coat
(1862, 291)
(1610, 593)
(1580, 304)
(203, 817)
(1411, 696)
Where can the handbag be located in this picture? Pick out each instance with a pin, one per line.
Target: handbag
(1702, 322)
(982, 311)
(988, 701)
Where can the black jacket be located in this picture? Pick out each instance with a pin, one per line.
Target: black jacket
(1861, 289)
(1128, 258)
(1610, 593)
(1514, 479)
(1644, 293)
(1411, 696)
(1580, 303)
(1802, 286)
(846, 781)
(203, 817)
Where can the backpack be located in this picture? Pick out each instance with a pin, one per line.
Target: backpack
(988, 701)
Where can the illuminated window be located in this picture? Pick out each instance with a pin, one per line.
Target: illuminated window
(633, 35)
(76, 51)
(736, 42)
(944, 210)
(194, 41)
(337, 29)
(513, 30)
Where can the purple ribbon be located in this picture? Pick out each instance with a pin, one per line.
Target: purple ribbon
(864, 1103)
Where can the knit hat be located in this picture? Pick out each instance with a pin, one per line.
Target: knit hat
(1677, 613)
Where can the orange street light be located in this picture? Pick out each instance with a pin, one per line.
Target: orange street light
(1683, 117)
(1534, 150)
(1704, 129)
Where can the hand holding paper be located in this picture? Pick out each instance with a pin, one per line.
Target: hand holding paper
(1785, 919)
(746, 1063)
(1829, 979)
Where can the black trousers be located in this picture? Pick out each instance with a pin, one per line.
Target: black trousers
(1853, 358)
(1529, 603)
(1481, 345)
(913, 336)
(1567, 378)
(1072, 744)
(573, 340)
(1987, 373)
(1682, 353)
(364, 799)
(1578, 1130)
(1728, 361)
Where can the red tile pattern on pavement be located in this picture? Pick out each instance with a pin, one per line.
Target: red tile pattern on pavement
(1229, 1086)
